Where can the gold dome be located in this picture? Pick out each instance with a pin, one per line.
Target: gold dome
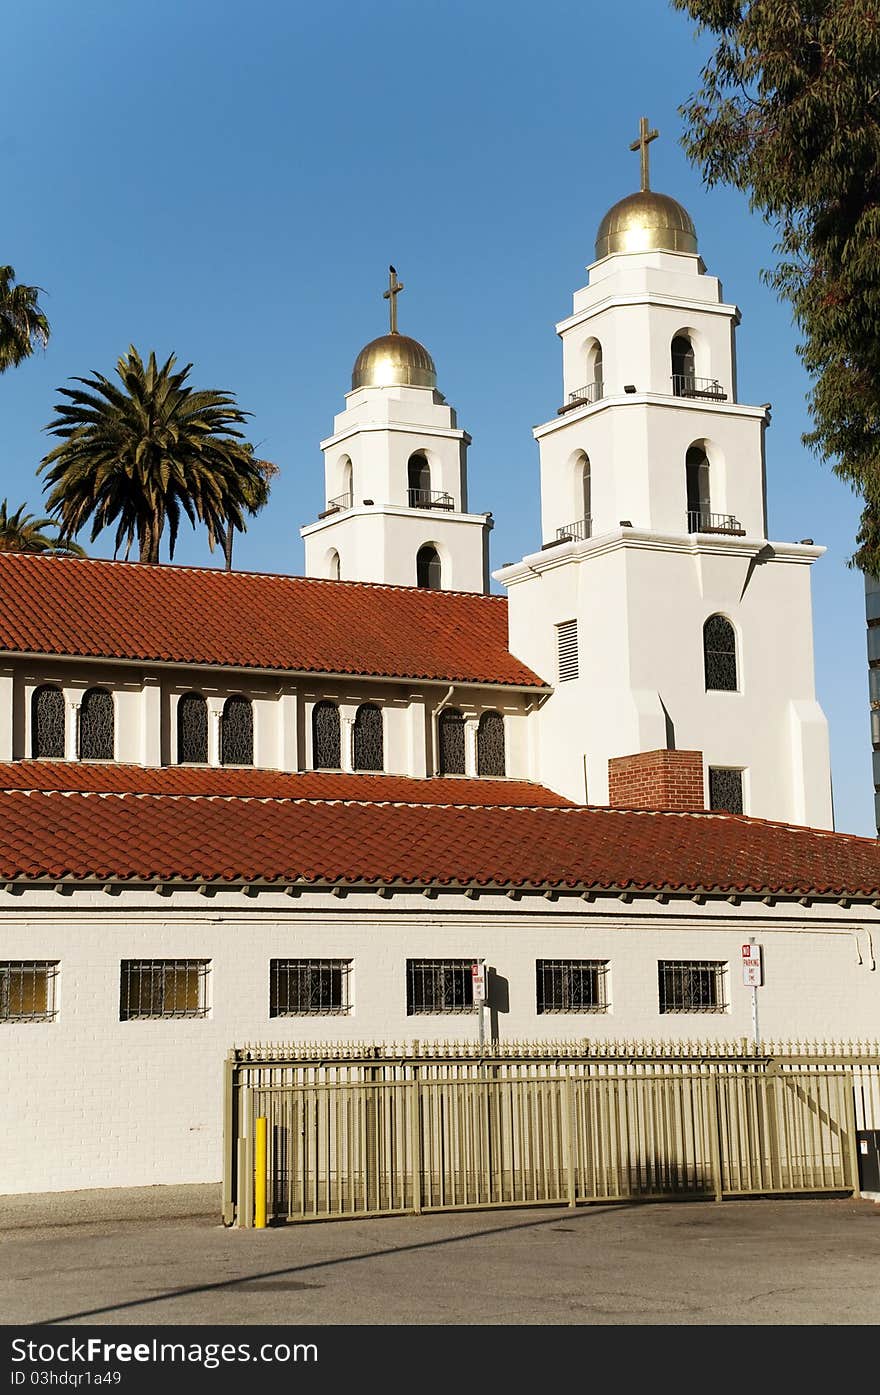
(391, 360)
(644, 222)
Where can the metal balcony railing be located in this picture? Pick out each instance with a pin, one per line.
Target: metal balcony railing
(584, 396)
(582, 528)
(342, 501)
(709, 389)
(430, 499)
(701, 522)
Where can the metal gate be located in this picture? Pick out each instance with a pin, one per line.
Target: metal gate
(378, 1135)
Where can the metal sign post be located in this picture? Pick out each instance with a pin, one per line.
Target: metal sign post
(753, 977)
(478, 979)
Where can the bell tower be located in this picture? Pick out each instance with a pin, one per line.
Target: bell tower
(395, 472)
(655, 559)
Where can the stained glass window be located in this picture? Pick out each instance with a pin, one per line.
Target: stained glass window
(490, 744)
(326, 744)
(428, 568)
(96, 725)
(47, 722)
(368, 752)
(719, 654)
(192, 730)
(726, 790)
(450, 731)
(237, 732)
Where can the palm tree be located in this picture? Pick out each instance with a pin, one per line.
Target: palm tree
(142, 454)
(258, 497)
(22, 323)
(22, 532)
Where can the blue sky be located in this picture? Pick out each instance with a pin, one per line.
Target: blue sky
(229, 183)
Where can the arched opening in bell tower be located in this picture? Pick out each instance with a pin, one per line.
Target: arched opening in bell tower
(419, 481)
(595, 371)
(428, 568)
(698, 496)
(683, 367)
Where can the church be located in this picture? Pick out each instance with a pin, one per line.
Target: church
(241, 808)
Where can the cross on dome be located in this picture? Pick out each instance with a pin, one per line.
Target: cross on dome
(393, 291)
(644, 140)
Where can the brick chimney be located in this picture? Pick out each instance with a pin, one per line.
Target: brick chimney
(656, 780)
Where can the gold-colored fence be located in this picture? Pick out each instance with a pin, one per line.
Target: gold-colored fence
(367, 1133)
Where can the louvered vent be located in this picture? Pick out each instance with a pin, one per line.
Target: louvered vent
(567, 645)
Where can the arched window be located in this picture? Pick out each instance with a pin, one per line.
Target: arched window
(334, 569)
(419, 481)
(595, 374)
(698, 501)
(490, 744)
(368, 745)
(347, 483)
(428, 567)
(96, 725)
(450, 741)
(326, 742)
(683, 381)
(47, 723)
(586, 484)
(192, 730)
(719, 654)
(237, 732)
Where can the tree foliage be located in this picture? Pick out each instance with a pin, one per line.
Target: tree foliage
(256, 497)
(22, 532)
(789, 112)
(143, 454)
(23, 326)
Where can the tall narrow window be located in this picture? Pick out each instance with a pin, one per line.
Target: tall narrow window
(450, 734)
(334, 569)
(237, 732)
(192, 730)
(595, 372)
(567, 650)
(698, 503)
(726, 789)
(326, 742)
(683, 382)
(587, 496)
(47, 723)
(368, 744)
(419, 481)
(719, 654)
(428, 568)
(490, 744)
(96, 725)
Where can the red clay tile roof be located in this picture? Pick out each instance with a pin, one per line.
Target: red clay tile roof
(204, 838)
(186, 615)
(113, 778)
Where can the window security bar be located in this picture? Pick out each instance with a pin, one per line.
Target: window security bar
(431, 499)
(700, 522)
(582, 528)
(709, 389)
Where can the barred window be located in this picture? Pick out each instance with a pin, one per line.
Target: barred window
(309, 986)
(237, 732)
(726, 789)
(96, 725)
(490, 744)
(326, 743)
(27, 990)
(692, 985)
(450, 731)
(368, 745)
(719, 654)
(163, 988)
(572, 985)
(47, 723)
(567, 650)
(439, 985)
(192, 730)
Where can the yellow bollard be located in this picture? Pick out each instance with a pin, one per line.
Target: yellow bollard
(260, 1135)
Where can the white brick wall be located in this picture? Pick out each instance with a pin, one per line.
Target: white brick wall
(91, 1101)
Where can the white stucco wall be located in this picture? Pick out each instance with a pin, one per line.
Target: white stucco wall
(90, 1101)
